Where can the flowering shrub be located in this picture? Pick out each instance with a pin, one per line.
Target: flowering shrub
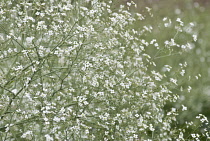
(85, 70)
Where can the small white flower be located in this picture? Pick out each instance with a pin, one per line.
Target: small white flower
(29, 40)
(165, 18)
(151, 127)
(189, 88)
(182, 72)
(194, 37)
(15, 91)
(27, 135)
(56, 119)
(48, 138)
(136, 115)
(184, 108)
(193, 135)
(173, 81)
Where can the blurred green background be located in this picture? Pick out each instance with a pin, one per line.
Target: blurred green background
(198, 12)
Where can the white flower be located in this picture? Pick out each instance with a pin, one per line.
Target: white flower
(136, 115)
(184, 108)
(29, 40)
(27, 135)
(56, 119)
(151, 127)
(165, 18)
(173, 81)
(15, 91)
(193, 135)
(182, 72)
(189, 88)
(48, 138)
(195, 37)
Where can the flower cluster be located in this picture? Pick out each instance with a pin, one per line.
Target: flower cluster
(85, 70)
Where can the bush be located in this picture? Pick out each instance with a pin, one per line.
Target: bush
(89, 70)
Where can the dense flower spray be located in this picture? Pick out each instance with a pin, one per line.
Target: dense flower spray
(85, 70)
